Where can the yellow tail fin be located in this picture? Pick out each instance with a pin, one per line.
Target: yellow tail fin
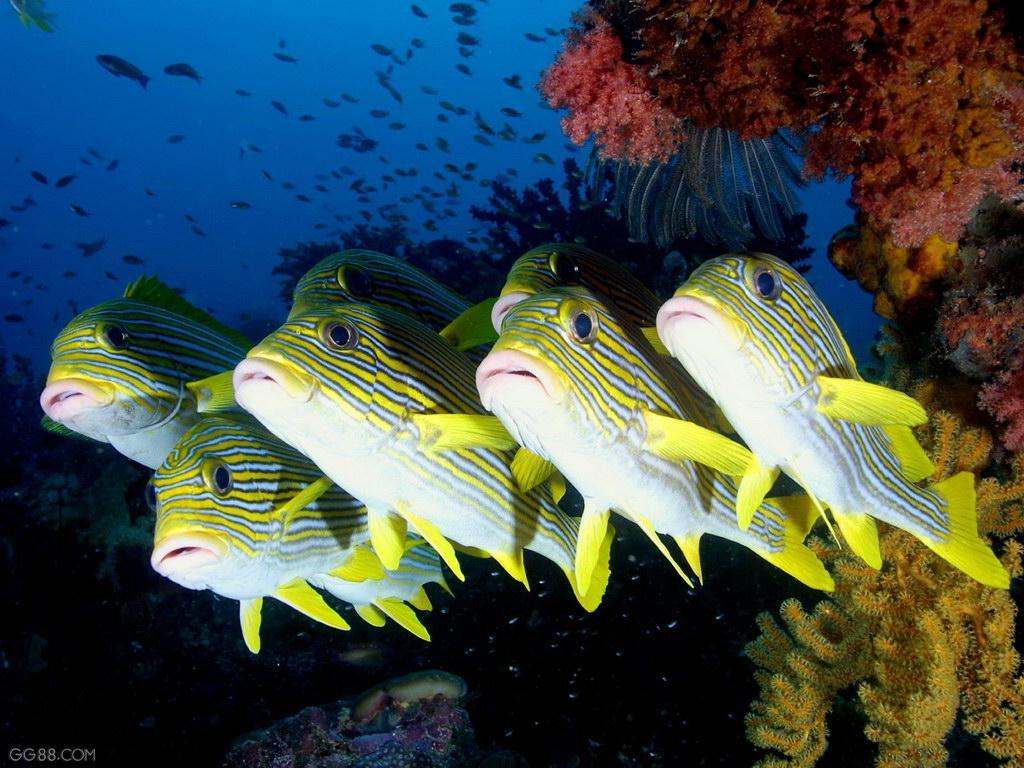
(793, 557)
(965, 548)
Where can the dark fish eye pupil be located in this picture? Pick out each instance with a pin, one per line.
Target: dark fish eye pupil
(339, 335)
(358, 283)
(221, 479)
(117, 337)
(582, 325)
(765, 283)
(565, 269)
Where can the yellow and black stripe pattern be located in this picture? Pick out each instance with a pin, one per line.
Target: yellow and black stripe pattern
(368, 276)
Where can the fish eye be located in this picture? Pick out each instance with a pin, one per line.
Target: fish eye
(355, 281)
(564, 268)
(150, 494)
(765, 283)
(112, 336)
(584, 327)
(217, 477)
(339, 335)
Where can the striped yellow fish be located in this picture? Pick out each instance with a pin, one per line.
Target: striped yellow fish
(755, 336)
(387, 408)
(582, 389)
(375, 278)
(119, 370)
(242, 514)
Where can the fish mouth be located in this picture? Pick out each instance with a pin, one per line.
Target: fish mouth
(509, 368)
(690, 314)
(178, 556)
(502, 306)
(63, 399)
(256, 374)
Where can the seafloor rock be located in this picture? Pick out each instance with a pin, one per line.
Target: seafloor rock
(397, 731)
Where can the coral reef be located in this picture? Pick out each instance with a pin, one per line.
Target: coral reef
(920, 102)
(923, 644)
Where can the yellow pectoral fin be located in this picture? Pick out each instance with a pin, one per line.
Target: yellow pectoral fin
(648, 529)
(214, 394)
(472, 328)
(756, 482)
(557, 487)
(651, 334)
(593, 528)
(452, 431)
(866, 403)
(304, 599)
(404, 616)
(304, 498)
(387, 535)
(678, 440)
(436, 539)
(371, 614)
(914, 462)
(530, 470)
(690, 547)
(513, 565)
(362, 565)
(250, 617)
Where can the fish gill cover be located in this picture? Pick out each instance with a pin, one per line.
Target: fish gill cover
(556, 155)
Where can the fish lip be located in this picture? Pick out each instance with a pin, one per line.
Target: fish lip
(180, 553)
(257, 371)
(509, 362)
(692, 308)
(502, 306)
(65, 398)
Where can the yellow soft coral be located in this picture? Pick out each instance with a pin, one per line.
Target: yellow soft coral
(922, 641)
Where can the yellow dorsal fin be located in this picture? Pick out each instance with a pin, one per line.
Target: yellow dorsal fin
(362, 565)
(436, 539)
(371, 615)
(250, 616)
(867, 403)
(600, 576)
(690, 547)
(791, 555)
(651, 334)
(304, 599)
(214, 394)
(421, 601)
(648, 529)
(678, 440)
(387, 535)
(557, 487)
(530, 470)
(472, 328)
(914, 462)
(593, 529)
(404, 616)
(305, 497)
(513, 565)
(452, 431)
(965, 548)
(756, 482)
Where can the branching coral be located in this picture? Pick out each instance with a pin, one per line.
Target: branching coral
(919, 101)
(921, 641)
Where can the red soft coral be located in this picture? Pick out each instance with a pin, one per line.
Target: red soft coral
(609, 99)
(1004, 399)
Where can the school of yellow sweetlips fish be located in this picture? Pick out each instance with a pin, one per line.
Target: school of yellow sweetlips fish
(389, 426)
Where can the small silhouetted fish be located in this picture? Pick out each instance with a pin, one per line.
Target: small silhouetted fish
(321, 188)
(303, 199)
(421, 146)
(417, 11)
(197, 231)
(381, 50)
(4, 223)
(88, 249)
(241, 205)
(513, 81)
(464, 38)
(279, 107)
(175, 138)
(183, 70)
(266, 174)
(429, 90)
(350, 98)
(534, 38)
(69, 274)
(285, 58)
(482, 140)
(378, 113)
(242, 92)
(63, 181)
(46, 246)
(543, 157)
(112, 165)
(465, 52)
(306, 118)
(464, 69)
(462, 8)
(85, 161)
(79, 211)
(40, 177)
(14, 317)
(442, 144)
(442, 118)
(94, 152)
(417, 43)
(287, 185)
(149, 192)
(551, 32)
(331, 103)
(396, 126)
(131, 258)
(509, 112)
(121, 68)
(110, 275)
(190, 218)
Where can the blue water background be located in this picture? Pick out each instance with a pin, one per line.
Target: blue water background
(57, 101)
